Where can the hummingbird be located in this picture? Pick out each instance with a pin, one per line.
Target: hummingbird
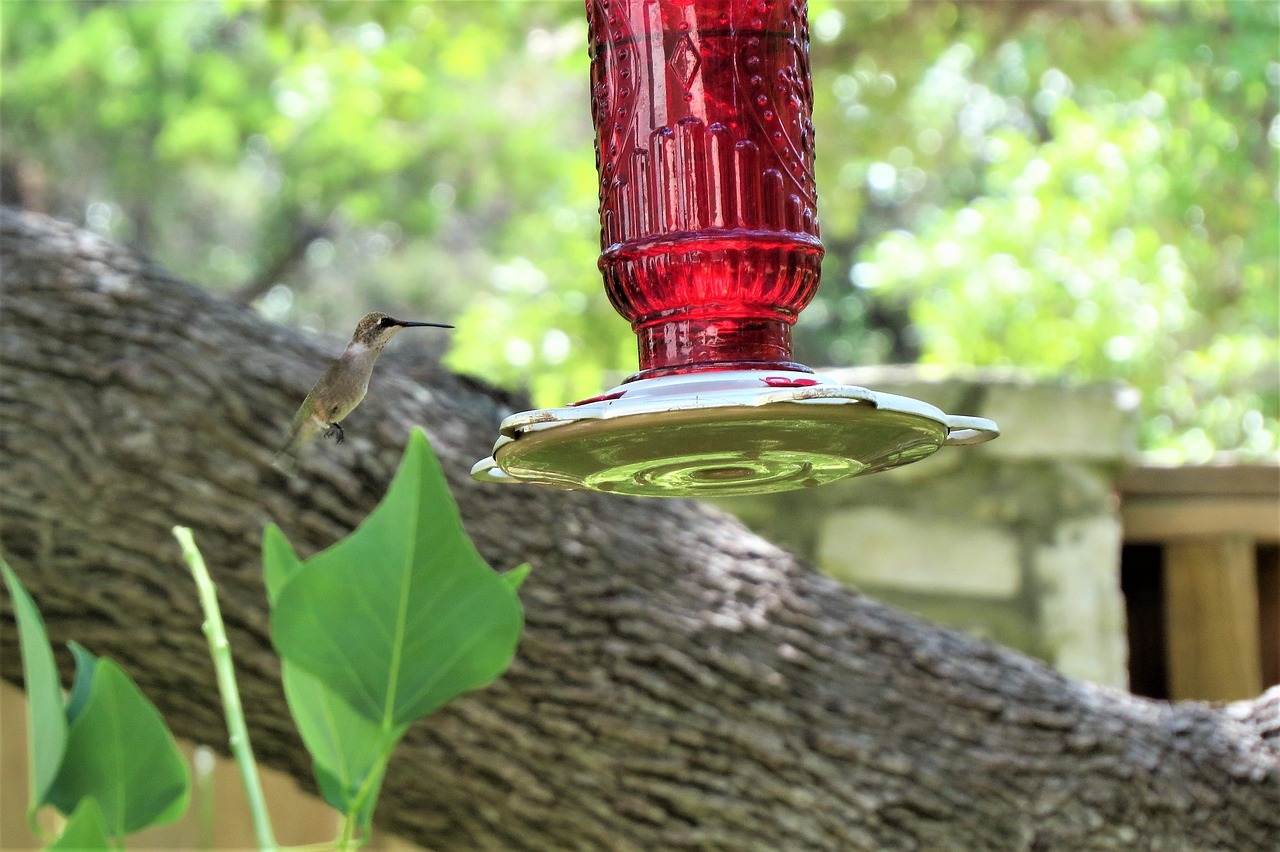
(343, 385)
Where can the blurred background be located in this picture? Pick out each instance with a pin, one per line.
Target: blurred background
(1076, 189)
(1078, 199)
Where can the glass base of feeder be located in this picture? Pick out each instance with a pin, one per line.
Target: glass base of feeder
(722, 433)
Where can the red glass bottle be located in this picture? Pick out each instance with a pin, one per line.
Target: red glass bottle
(704, 147)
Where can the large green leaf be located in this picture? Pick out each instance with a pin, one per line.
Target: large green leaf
(403, 614)
(86, 829)
(46, 722)
(120, 753)
(349, 751)
(346, 748)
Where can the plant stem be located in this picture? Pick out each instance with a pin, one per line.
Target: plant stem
(348, 830)
(220, 650)
(347, 841)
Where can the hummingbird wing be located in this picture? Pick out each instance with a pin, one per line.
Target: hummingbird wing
(306, 425)
(286, 461)
(303, 432)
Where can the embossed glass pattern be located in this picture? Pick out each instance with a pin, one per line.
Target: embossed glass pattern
(704, 148)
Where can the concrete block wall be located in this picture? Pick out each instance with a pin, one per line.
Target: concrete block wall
(1017, 540)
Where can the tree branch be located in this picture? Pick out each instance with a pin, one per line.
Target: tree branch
(682, 683)
(303, 234)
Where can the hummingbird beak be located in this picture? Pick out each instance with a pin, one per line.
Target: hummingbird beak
(408, 324)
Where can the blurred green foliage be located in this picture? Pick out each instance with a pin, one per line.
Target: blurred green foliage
(1077, 189)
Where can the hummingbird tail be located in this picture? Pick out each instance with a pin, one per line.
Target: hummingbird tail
(289, 459)
(286, 461)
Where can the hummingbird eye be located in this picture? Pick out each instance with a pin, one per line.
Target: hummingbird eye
(386, 322)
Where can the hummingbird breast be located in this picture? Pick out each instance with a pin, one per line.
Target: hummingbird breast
(343, 401)
(343, 387)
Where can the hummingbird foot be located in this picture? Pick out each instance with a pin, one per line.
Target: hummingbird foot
(335, 432)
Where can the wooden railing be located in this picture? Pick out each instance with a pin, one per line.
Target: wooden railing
(1201, 578)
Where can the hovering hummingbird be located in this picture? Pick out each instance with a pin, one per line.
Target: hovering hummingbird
(343, 385)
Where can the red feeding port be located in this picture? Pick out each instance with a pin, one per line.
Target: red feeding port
(708, 207)
(785, 382)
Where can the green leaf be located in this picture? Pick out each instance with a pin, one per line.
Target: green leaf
(81, 688)
(86, 829)
(279, 562)
(345, 747)
(516, 576)
(120, 753)
(46, 722)
(403, 614)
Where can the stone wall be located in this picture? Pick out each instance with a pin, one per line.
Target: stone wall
(1017, 540)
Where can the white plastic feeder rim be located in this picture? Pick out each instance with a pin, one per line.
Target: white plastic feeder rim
(722, 433)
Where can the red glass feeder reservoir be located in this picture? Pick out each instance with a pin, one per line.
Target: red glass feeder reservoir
(710, 249)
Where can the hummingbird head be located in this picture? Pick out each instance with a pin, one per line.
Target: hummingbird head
(375, 329)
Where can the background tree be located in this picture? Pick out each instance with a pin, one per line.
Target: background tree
(1076, 189)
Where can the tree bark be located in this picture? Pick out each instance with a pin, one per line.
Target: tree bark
(681, 684)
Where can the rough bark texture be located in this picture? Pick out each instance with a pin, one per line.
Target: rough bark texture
(682, 683)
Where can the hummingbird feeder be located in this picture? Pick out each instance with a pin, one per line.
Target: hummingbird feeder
(709, 230)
